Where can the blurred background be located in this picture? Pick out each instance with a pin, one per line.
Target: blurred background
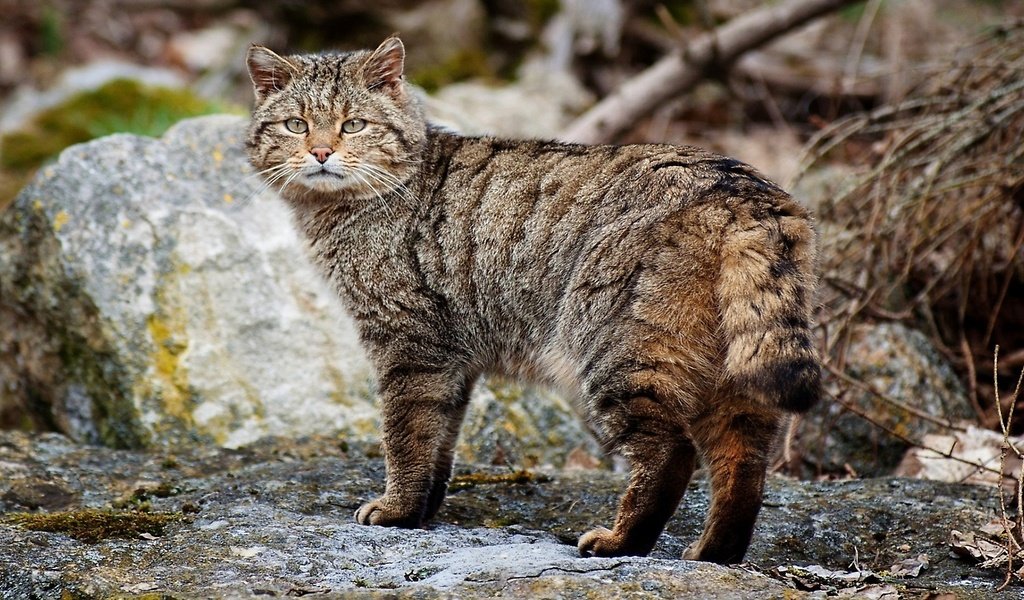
(898, 121)
(178, 58)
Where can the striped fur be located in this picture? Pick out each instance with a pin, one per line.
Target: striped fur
(667, 289)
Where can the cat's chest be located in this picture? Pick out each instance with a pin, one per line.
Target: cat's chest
(370, 258)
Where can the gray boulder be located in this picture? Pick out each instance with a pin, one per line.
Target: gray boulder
(152, 293)
(898, 363)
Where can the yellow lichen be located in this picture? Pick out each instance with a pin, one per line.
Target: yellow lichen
(173, 377)
(461, 482)
(60, 220)
(338, 388)
(167, 331)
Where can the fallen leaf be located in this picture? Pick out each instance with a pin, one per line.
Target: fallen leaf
(840, 576)
(910, 567)
(872, 592)
(973, 444)
(996, 528)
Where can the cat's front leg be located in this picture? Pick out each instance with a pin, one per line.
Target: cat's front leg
(419, 411)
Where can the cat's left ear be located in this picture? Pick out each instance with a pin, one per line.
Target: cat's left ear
(383, 70)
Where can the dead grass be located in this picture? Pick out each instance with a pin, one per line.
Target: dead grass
(932, 227)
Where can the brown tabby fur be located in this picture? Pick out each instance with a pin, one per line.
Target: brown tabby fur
(667, 289)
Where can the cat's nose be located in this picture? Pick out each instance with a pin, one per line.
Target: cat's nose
(321, 153)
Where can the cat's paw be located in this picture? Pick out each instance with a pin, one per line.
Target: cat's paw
(382, 512)
(692, 551)
(600, 542)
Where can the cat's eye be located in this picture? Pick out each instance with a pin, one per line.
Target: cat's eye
(296, 126)
(353, 125)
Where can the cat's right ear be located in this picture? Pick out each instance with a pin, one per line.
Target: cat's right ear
(268, 71)
(383, 70)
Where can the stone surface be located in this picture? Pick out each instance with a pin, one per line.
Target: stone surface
(151, 294)
(539, 105)
(901, 364)
(141, 304)
(276, 520)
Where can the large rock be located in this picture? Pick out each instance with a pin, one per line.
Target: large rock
(150, 293)
(275, 520)
(142, 304)
(890, 362)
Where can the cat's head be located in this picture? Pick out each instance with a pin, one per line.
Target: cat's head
(337, 124)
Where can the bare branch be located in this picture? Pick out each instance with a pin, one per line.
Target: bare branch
(678, 72)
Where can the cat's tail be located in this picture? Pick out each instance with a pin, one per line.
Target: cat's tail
(765, 291)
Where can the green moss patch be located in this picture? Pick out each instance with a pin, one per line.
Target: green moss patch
(93, 525)
(119, 106)
(463, 65)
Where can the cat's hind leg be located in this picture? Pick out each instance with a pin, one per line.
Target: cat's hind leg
(662, 460)
(736, 446)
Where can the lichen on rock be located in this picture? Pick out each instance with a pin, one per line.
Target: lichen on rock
(144, 308)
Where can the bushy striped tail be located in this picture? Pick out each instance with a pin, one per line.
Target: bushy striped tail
(765, 292)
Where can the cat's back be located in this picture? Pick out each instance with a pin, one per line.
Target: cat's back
(500, 175)
(541, 208)
(532, 237)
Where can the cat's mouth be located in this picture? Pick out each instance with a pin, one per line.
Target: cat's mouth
(324, 179)
(323, 174)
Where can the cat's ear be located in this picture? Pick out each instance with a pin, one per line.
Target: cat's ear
(268, 71)
(383, 70)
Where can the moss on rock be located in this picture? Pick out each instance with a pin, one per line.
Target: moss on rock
(470, 480)
(94, 525)
(121, 105)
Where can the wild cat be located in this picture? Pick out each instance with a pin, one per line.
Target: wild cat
(667, 289)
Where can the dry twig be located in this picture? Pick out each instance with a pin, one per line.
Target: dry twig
(710, 53)
(1013, 546)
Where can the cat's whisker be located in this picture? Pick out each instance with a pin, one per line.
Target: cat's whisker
(408, 161)
(290, 179)
(364, 181)
(391, 181)
(264, 181)
(272, 169)
(382, 180)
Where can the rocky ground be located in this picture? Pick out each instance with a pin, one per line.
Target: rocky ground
(276, 520)
(142, 277)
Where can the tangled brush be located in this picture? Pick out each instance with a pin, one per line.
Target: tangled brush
(931, 229)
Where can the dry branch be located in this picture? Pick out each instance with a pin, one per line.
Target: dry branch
(712, 52)
(1013, 547)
